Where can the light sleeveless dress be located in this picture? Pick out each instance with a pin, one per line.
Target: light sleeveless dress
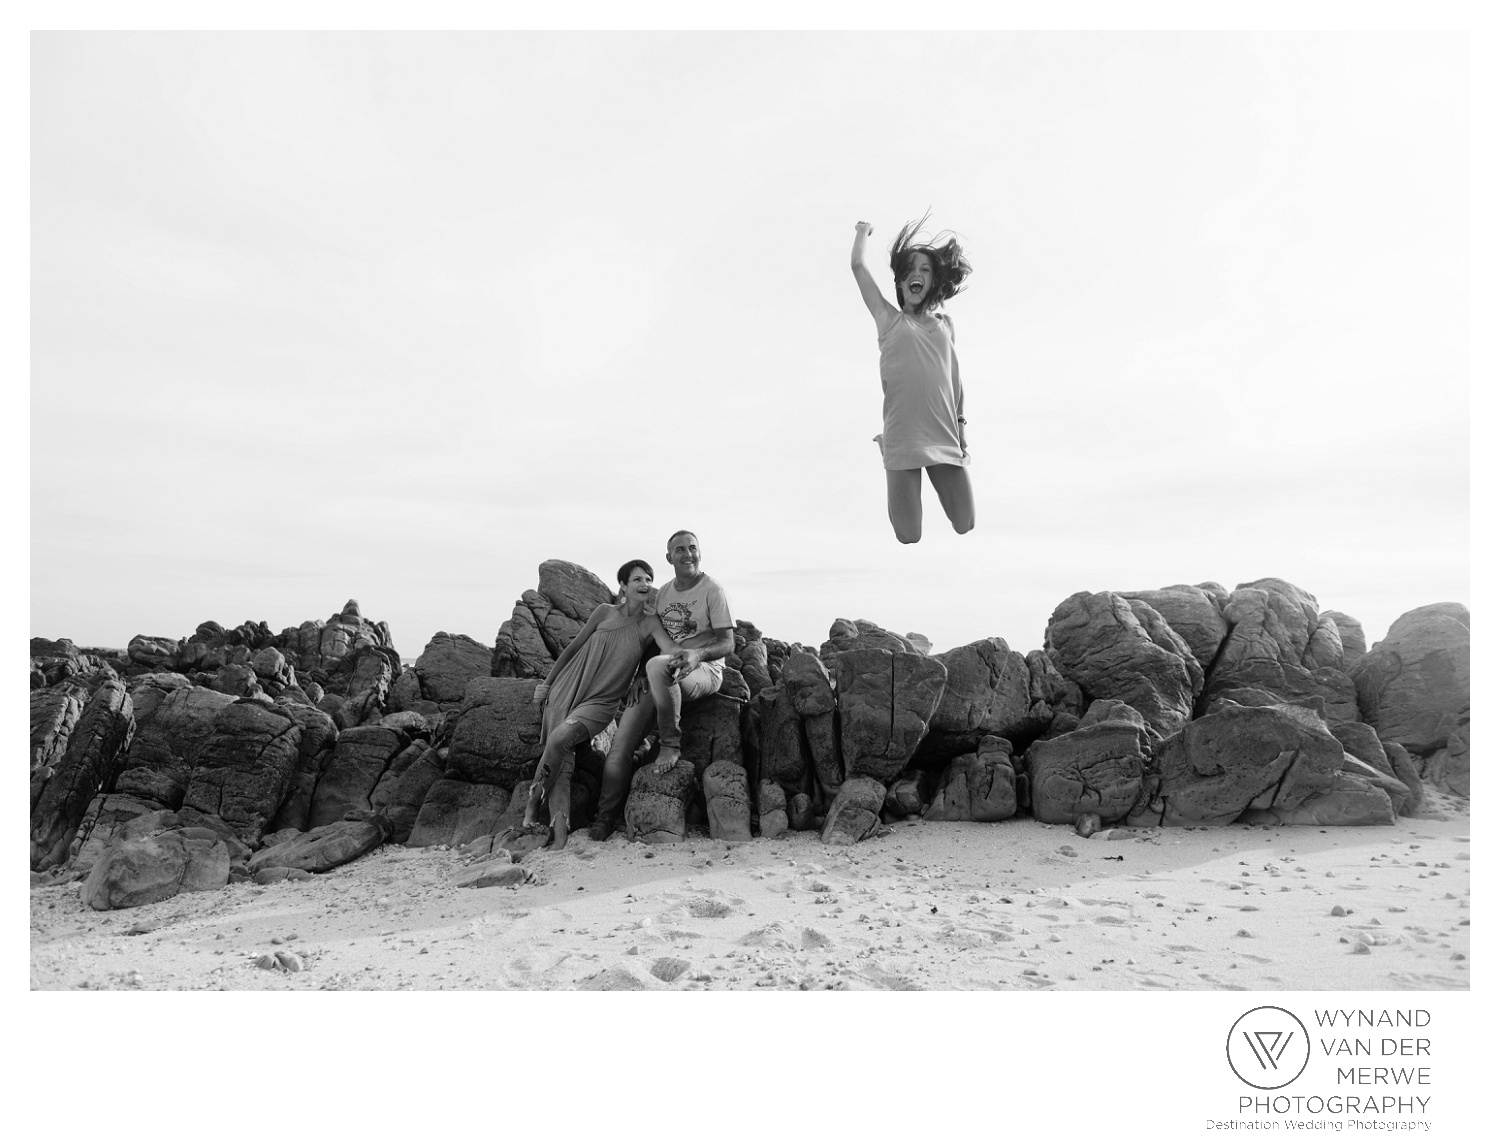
(591, 686)
(921, 411)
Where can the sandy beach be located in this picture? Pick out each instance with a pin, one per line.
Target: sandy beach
(1017, 905)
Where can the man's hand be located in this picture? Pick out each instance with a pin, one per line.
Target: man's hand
(686, 660)
(541, 693)
(863, 229)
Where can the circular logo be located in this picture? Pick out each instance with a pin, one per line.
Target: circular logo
(1268, 1047)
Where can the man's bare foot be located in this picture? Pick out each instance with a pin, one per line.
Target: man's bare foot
(665, 759)
(559, 832)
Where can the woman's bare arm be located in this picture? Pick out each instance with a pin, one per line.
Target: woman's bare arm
(570, 651)
(658, 632)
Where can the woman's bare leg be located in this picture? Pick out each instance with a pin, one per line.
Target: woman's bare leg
(955, 493)
(903, 494)
(553, 782)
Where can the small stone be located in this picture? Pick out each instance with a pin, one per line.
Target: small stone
(266, 962)
(668, 969)
(1360, 949)
(289, 961)
(1339, 910)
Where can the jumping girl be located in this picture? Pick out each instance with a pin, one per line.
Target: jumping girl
(585, 686)
(924, 399)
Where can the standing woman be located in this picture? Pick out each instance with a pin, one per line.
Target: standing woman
(585, 686)
(924, 398)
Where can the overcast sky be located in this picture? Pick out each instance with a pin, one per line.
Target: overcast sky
(398, 316)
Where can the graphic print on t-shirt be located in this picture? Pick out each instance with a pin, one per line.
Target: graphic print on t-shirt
(679, 621)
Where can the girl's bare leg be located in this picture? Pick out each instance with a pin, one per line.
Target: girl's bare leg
(955, 493)
(903, 494)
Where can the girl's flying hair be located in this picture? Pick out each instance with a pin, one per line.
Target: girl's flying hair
(949, 266)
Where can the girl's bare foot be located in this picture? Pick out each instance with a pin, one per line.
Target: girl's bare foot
(559, 832)
(665, 759)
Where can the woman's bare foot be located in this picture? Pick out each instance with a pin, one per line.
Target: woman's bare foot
(559, 832)
(533, 804)
(665, 759)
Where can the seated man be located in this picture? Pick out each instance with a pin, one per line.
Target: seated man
(695, 611)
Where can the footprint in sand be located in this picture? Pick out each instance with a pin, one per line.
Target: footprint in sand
(772, 936)
(813, 939)
(611, 978)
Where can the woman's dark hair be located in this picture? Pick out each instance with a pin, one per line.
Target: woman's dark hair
(949, 266)
(623, 575)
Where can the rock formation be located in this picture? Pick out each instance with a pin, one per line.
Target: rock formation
(231, 754)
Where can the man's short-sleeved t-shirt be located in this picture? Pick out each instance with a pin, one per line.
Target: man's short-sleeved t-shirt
(700, 608)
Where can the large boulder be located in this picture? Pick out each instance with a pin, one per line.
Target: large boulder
(726, 793)
(360, 758)
(988, 694)
(656, 810)
(780, 741)
(855, 811)
(752, 658)
(1351, 637)
(1050, 689)
(95, 747)
(1414, 683)
(772, 807)
(1448, 768)
(54, 714)
(325, 847)
(711, 732)
(53, 662)
(274, 673)
(246, 767)
(1348, 800)
(1275, 759)
(319, 648)
(154, 653)
(861, 634)
(447, 665)
(978, 786)
(1278, 642)
(1098, 767)
(1111, 646)
(519, 648)
(363, 678)
(1192, 612)
(911, 791)
(148, 869)
(457, 811)
(173, 720)
(401, 791)
(497, 735)
(572, 590)
(886, 701)
(315, 747)
(806, 683)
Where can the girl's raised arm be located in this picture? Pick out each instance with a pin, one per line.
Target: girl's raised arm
(881, 309)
